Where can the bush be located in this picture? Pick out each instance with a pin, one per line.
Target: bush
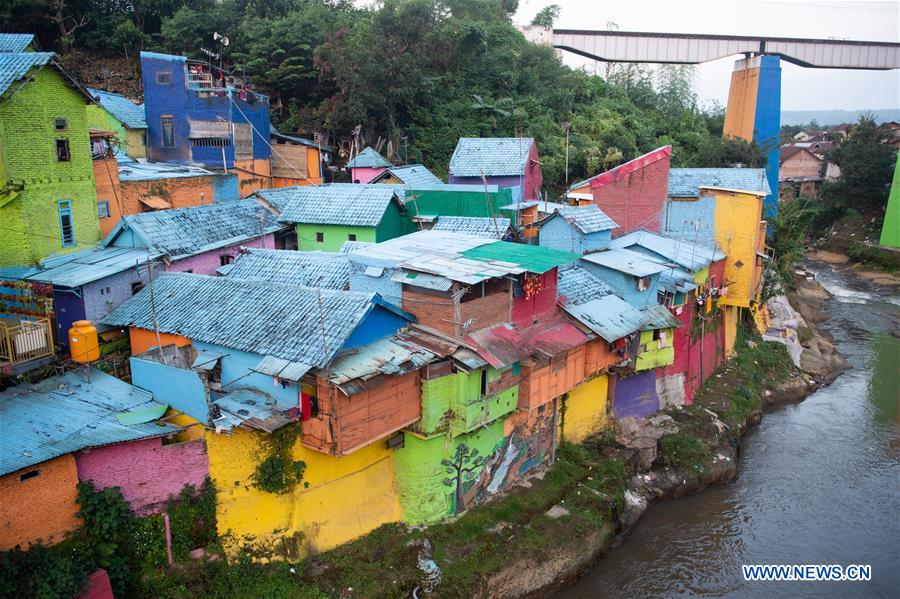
(682, 450)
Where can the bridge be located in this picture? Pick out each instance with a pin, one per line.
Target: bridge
(754, 100)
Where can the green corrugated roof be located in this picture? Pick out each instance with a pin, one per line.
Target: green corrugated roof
(533, 258)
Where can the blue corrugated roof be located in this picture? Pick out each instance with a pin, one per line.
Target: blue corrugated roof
(260, 317)
(412, 175)
(609, 316)
(130, 114)
(686, 182)
(657, 316)
(368, 158)
(80, 268)
(189, 231)
(490, 156)
(15, 66)
(134, 170)
(627, 261)
(677, 280)
(588, 219)
(15, 42)
(354, 205)
(352, 246)
(65, 413)
(473, 225)
(575, 285)
(326, 269)
(689, 255)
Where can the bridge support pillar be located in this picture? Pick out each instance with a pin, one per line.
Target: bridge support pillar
(754, 113)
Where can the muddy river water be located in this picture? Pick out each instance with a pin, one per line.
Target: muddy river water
(819, 483)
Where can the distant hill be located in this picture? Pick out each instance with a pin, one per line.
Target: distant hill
(836, 117)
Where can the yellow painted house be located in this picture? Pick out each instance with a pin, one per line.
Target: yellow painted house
(583, 413)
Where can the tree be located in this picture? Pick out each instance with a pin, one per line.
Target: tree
(867, 166)
(546, 17)
(462, 468)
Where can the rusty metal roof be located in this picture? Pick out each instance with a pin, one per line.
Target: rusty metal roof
(506, 344)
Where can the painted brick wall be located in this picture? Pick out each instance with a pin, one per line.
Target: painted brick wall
(31, 221)
(693, 220)
(541, 306)
(147, 471)
(485, 311)
(103, 296)
(41, 508)
(333, 236)
(637, 200)
(207, 262)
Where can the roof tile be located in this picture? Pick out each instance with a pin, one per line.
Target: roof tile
(490, 156)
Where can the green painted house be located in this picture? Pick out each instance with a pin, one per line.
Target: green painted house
(430, 201)
(118, 114)
(890, 230)
(327, 217)
(657, 343)
(47, 197)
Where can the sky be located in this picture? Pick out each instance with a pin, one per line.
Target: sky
(802, 88)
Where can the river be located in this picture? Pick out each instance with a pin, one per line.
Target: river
(818, 483)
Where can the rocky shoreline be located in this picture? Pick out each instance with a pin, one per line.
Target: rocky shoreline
(637, 441)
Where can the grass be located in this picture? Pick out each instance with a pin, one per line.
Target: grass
(683, 450)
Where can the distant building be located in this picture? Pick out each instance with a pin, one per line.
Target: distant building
(502, 161)
(410, 175)
(118, 114)
(577, 229)
(367, 165)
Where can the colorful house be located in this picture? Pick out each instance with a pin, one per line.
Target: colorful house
(367, 165)
(632, 194)
(296, 160)
(116, 113)
(577, 229)
(503, 161)
(47, 202)
(197, 113)
(76, 427)
(528, 215)
(427, 202)
(411, 176)
(633, 276)
(16, 42)
(328, 270)
(656, 347)
(326, 217)
(493, 228)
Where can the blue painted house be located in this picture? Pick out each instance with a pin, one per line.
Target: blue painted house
(633, 276)
(577, 229)
(199, 114)
(328, 270)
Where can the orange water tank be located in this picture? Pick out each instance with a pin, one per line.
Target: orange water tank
(83, 343)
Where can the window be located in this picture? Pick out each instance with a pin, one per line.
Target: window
(643, 283)
(61, 124)
(168, 130)
(320, 237)
(225, 259)
(103, 209)
(136, 287)
(62, 150)
(211, 142)
(31, 474)
(351, 236)
(163, 77)
(66, 224)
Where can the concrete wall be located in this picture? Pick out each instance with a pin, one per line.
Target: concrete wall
(39, 509)
(180, 388)
(207, 262)
(583, 412)
(801, 164)
(560, 235)
(103, 296)
(143, 339)
(738, 217)
(691, 219)
(364, 175)
(625, 285)
(635, 395)
(334, 236)
(635, 200)
(27, 130)
(147, 471)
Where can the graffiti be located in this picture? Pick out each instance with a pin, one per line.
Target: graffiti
(463, 466)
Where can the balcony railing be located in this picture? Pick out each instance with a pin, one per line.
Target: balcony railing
(24, 340)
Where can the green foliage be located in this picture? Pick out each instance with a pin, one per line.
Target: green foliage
(547, 16)
(108, 533)
(682, 450)
(44, 573)
(192, 519)
(867, 166)
(277, 471)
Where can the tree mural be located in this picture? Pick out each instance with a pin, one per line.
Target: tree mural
(465, 462)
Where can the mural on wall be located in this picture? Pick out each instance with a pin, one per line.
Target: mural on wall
(462, 470)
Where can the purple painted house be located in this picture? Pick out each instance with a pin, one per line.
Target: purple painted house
(367, 165)
(503, 161)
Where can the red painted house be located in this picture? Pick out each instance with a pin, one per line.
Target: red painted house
(632, 194)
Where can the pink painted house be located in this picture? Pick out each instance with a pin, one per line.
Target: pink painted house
(367, 165)
(148, 471)
(632, 194)
(510, 162)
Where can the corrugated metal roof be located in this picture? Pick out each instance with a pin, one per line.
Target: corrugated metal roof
(588, 219)
(330, 270)
(531, 258)
(472, 225)
(15, 42)
(352, 246)
(273, 132)
(412, 175)
(421, 279)
(677, 280)
(686, 182)
(130, 114)
(206, 360)
(15, 66)
(368, 158)
(354, 205)
(575, 285)
(134, 170)
(80, 268)
(189, 231)
(263, 318)
(393, 252)
(63, 414)
(627, 261)
(283, 369)
(609, 316)
(689, 255)
(390, 356)
(658, 317)
(250, 408)
(506, 344)
(490, 156)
